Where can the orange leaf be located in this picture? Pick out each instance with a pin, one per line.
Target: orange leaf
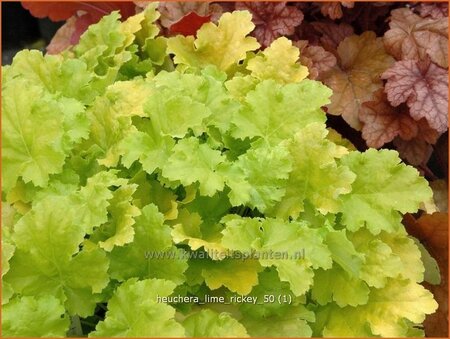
(382, 122)
(316, 58)
(361, 61)
(333, 10)
(418, 150)
(412, 38)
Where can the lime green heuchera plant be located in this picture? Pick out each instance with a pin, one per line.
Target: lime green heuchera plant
(132, 144)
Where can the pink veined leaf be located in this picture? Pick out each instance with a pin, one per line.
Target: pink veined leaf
(382, 122)
(434, 10)
(412, 37)
(318, 60)
(272, 19)
(173, 11)
(423, 86)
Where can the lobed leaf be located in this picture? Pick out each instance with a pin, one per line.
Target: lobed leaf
(412, 38)
(34, 316)
(272, 20)
(382, 122)
(423, 86)
(221, 45)
(207, 324)
(375, 202)
(361, 60)
(130, 315)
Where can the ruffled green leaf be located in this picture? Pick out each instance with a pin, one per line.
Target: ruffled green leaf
(149, 50)
(192, 162)
(293, 324)
(259, 177)
(103, 47)
(209, 324)
(34, 317)
(48, 260)
(339, 286)
(91, 201)
(149, 29)
(405, 249)
(237, 275)
(384, 187)
(151, 254)
(275, 112)
(384, 314)
(278, 62)
(150, 148)
(32, 150)
(269, 284)
(134, 311)
(62, 77)
(293, 248)
(223, 45)
(189, 228)
(316, 176)
(7, 253)
(152, 192)
(110, 123)
(119, 230)
(344, 253)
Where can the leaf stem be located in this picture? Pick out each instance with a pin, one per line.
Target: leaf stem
(75, 329)
(103, 307)
(241, 210)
